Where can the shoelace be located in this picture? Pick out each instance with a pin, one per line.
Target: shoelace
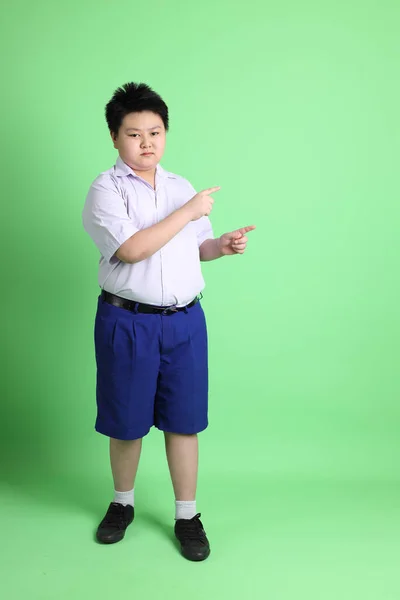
(193, 529)
(115, 516)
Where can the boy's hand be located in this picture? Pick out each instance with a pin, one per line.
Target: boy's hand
(235, 242)
(201, 204)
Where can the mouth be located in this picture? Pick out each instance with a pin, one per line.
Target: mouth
(147, 154)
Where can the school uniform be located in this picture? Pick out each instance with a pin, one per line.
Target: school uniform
(150, 330)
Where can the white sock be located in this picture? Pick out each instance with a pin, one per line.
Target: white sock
(124, 497)
(184, 509)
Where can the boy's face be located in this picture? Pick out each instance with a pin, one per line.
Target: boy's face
(141, 140)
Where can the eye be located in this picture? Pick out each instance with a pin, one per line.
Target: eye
(133, 134)
(155, 133)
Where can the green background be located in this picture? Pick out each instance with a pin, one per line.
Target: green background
(292, 108)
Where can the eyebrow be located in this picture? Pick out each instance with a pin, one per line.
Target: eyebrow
(134, 128)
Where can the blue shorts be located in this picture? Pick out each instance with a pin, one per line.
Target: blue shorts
(151, 370)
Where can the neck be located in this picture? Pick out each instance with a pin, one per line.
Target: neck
(149, 176)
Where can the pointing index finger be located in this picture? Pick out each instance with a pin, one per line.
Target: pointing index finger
(244, 230)
(211, 190)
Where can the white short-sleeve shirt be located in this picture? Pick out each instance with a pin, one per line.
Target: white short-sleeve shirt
(118, 205)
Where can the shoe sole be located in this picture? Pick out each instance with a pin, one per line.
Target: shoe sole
(196, 558)
(110, 541)
(101, 541)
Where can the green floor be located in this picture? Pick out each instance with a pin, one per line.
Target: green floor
(272, 537)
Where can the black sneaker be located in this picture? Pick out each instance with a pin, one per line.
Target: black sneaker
(191, 534)
(113, 526)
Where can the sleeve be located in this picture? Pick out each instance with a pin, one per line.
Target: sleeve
(106, 219)
(203, 225)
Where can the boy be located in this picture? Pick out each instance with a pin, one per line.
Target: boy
(152, 230)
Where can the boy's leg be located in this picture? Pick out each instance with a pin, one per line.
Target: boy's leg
(181, 409)
(124, 458)
(183, 456)
(128, 358)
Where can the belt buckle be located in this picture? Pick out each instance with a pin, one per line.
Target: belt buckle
(169, 310)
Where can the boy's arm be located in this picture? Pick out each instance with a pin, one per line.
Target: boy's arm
(228, 244)
(147, 242)
(210, 250)
(208, 246)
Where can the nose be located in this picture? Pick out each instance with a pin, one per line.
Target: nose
(146, 142)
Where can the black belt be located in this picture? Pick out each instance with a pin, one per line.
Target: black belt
(144, 308)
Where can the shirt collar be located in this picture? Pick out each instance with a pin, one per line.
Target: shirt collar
(122, 170)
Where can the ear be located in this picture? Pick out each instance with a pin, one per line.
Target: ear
(114, 138)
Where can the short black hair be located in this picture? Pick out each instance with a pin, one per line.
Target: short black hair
(134, 97)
